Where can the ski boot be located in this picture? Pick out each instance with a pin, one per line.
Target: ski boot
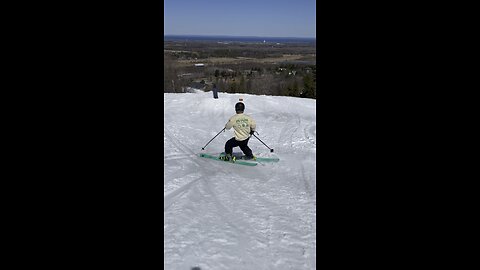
(250, 158)
(228, 157)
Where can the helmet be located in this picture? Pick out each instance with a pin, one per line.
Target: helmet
(239, 107)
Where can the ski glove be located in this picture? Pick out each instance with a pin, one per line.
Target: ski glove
(252, 131)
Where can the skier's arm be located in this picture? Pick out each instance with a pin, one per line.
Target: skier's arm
(253, 125)
(229, 124)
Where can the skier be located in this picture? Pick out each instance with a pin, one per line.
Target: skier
(244, 126)
(215, 91)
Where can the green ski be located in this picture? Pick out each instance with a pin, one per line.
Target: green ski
(217, 157)
(240, 156)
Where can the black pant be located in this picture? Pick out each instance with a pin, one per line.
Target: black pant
(242, 144)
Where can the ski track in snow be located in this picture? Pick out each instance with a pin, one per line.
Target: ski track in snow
(225, 216)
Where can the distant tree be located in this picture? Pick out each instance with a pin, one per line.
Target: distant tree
(308, 87)
(249, 88)
(263, 85)
(296, 89)
(221, 86)
(293, 89)
(242, 87)
(233, 87)
(171, 83)
(278, 89)
(217, 73)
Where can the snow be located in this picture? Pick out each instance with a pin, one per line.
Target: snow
(224, 216)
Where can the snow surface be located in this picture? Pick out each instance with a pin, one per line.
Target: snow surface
(224, 216)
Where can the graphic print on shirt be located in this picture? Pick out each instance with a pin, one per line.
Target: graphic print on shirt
(242, 122)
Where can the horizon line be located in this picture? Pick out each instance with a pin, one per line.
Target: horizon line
(197, 35)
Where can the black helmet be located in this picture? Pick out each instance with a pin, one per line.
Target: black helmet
(239, 107)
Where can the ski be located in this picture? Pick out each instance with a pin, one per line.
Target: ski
(217, 157)
(240, 156)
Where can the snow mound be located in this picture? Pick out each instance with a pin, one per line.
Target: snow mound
(223, 216)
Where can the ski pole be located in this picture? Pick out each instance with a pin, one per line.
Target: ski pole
(203, 148)
(271, 150)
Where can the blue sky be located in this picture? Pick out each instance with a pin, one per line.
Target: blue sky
(263, 18)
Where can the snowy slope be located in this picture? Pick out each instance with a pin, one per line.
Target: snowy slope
(223, 216)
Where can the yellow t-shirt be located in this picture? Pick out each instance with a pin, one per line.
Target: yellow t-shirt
(242, 124)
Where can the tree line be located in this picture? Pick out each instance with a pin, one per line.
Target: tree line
(268, 82)
(252, 78)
